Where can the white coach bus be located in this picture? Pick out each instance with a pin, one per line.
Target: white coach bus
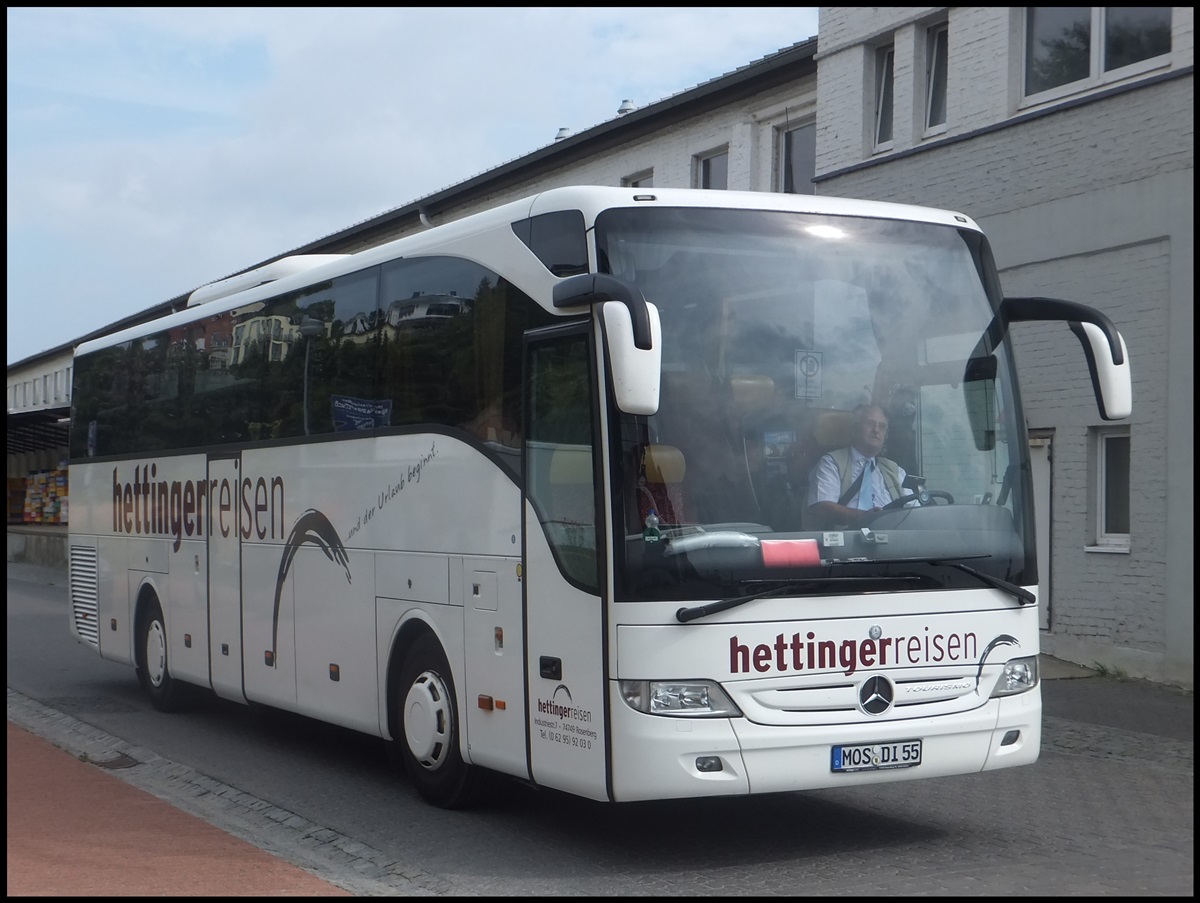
(563, 531)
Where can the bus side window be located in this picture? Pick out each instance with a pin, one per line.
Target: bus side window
(561, 473)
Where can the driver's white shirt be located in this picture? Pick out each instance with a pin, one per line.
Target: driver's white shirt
(825, 482)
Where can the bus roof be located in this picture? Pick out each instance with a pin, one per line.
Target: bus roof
(270, 279)
(592, 199)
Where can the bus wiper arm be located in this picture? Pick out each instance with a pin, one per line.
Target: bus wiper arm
(699, 611)
(1024, 596)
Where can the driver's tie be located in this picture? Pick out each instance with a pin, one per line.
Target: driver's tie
(866, 492)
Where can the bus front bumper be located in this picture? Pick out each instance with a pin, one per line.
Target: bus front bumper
(656, 757)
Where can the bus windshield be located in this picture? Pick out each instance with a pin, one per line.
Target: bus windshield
(799, 350)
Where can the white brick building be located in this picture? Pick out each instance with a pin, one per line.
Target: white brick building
(1084, 185)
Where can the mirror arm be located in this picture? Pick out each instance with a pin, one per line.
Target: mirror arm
(596, 288)
(1022, 309)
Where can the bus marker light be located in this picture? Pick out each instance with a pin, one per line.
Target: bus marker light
(335, 672)
(501, 705)
(485, 702)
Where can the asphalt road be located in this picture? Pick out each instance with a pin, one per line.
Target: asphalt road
(1108, 808)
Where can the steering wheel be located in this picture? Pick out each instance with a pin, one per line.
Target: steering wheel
(922, 497)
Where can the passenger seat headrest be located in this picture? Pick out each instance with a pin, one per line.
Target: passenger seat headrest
(664, 464)
(571, 464)
(834, 428)
(751, 389)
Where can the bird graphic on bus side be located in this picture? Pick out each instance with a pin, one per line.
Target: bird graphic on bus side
(1002, 640)
(311, 526)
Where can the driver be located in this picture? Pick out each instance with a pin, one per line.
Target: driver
(849, 485)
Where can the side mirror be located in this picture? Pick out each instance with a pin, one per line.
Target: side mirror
(1112, 381)
(636, 371)
(979, 387)
(1107, 356)
(632, 333)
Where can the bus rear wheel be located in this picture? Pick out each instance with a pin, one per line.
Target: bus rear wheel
(429, 727)
(166, 693)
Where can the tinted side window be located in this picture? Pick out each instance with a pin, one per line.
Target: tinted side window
(558, 240)
(295, 359)
(433, 340)
(452, 347)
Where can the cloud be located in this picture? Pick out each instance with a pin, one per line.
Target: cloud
(153, 150)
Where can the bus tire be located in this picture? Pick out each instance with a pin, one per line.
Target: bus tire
(166, 693)
(428, 724)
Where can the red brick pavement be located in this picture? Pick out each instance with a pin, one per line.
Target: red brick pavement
(76, 830)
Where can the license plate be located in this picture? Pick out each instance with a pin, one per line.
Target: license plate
(876, 756)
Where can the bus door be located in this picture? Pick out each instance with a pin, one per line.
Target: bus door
(564, 613)
(225, 580)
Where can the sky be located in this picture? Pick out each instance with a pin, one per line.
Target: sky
(152, 151)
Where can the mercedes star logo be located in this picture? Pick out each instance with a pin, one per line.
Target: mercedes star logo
(876, 695)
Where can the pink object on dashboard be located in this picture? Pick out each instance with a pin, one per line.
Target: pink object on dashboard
(785, 553)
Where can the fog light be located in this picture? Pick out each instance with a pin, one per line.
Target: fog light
(708, 763)
(1010, 738)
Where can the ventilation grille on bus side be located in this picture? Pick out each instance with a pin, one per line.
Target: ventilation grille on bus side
(85, 583)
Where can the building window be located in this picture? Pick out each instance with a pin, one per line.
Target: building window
(643, 179)
(936, 46)
(712, 170)
(1112, 489)
(798, 159)
(885, 58)
(1084, 46)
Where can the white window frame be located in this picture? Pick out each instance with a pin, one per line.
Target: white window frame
(884, 95)
(1106, 541)
(1097, 77)
(937, 49)
(703, 161)
(643, 179)
(781, 155)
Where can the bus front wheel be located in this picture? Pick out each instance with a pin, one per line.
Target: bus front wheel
(428, 720)
(166, 693)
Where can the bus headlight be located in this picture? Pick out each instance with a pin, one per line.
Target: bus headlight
(679, 698)
(1020, 675)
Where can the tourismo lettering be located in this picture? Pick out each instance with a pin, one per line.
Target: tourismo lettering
(807, 653)
(147, 506)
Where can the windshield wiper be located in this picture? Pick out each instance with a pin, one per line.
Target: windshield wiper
(1024, 596)
(792, 586)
